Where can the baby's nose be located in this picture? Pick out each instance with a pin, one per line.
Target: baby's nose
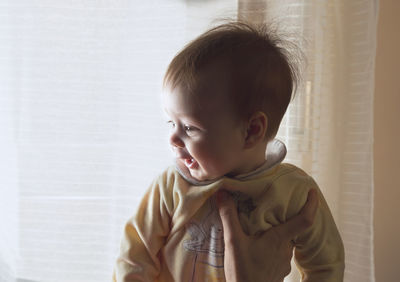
(175, 141)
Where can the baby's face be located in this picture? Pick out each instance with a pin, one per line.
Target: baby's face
(206, 138)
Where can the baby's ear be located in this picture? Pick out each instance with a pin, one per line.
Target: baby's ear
(256, 129)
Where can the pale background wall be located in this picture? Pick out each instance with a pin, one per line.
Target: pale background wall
(386, 144)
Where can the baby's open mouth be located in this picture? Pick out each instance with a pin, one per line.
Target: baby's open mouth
(191, 163)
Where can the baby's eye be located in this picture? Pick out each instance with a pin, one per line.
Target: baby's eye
(190, 130)
(171, 123)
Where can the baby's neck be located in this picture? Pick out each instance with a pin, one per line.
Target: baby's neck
(251, 161)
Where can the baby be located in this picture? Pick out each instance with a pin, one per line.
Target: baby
(227, 92)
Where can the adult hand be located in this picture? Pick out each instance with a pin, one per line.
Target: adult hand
(242, 261)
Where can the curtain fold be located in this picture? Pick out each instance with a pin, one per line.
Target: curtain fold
(83, 135)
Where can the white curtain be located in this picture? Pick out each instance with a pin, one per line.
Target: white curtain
(82, 132)
(329, 127)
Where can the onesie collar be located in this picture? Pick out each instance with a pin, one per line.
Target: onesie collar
(276, 152)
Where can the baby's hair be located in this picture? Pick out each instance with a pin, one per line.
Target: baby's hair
(262, 76)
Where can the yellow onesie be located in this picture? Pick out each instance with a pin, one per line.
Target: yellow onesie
(176, 234)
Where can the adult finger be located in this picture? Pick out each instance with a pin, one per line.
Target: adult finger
(302, 221)
(229, 217)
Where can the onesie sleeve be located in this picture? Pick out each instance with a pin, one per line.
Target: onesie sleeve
(319, 251)
(144, 235)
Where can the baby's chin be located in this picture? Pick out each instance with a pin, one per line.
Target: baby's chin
(194, 176)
